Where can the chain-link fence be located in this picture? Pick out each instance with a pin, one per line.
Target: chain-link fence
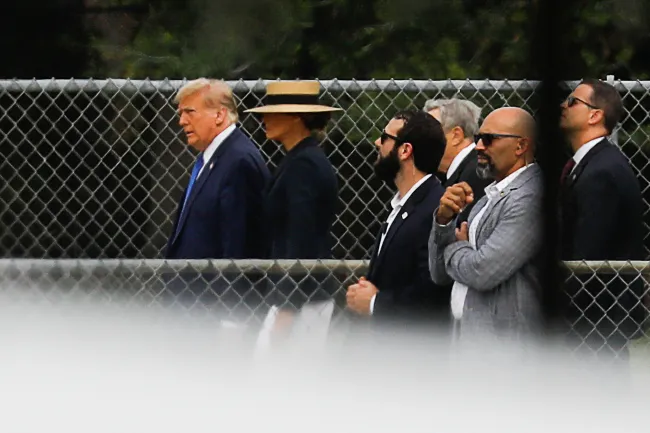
(608, 302)
(94, 168)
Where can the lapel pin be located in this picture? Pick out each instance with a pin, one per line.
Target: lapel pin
(404, 215)
(211, 165)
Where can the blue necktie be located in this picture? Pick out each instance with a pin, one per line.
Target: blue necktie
(195, 173)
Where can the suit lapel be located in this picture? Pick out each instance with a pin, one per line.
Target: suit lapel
(410, 205)
(577, 171)
(529, 173)
(207, 169)
(455, 177)
(375, 249)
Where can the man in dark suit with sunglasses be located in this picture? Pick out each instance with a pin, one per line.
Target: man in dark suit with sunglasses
(601, 219)
(460, 122)
(398, 287)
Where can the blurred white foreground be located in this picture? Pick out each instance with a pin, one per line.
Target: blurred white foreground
(90, 369)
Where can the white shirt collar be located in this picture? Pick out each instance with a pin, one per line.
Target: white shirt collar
(207, 153)
(585, 148)
(459, 158)
(493, 189)
(398, 202)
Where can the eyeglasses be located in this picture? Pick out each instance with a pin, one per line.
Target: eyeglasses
(385, 136)
(489, 138)
(572, 100)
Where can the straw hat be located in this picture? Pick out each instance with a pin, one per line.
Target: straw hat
(292, 97)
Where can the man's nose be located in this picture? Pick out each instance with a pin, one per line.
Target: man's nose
(182, 121)
(480, 145)
(378, 142)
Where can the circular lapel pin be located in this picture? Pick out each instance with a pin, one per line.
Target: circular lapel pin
(404, 215)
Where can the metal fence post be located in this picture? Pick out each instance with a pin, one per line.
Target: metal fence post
(614, 137)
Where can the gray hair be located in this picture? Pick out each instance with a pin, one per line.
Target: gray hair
(456, 112)
(216, 93)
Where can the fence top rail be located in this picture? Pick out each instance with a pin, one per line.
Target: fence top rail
(581, 267)
(258, 86)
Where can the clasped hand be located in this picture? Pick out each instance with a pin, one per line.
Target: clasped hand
(453, 201)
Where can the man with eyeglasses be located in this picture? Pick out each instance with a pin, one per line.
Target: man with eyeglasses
(601, 212)
(491, 259)
(398, 287)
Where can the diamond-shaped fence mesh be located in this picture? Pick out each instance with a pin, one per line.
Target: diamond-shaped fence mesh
(607, 305)
(94, 168)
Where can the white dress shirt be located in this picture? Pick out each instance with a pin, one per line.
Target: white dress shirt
(209, 151)
(459, 158)
(584, 149)
(492, 191)
(396, 203)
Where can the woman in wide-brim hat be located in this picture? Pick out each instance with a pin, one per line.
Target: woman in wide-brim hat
(302, 198)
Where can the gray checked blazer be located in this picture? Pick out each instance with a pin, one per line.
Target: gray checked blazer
(503, 294)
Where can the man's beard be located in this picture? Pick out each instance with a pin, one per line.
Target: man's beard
(387, 167)
(485, 170)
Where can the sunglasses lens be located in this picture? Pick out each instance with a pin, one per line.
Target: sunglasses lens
(486, 138)
(570, 101)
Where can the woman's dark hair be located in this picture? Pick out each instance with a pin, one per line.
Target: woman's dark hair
(316, 123)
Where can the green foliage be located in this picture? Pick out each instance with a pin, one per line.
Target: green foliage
(362, 39)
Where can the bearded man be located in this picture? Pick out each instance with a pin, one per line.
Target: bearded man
(492, 259)
(398, 287)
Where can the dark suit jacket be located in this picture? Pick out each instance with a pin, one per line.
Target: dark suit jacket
(401, 269)
(466, 172)
(602, 208)
(224, 216)
(301, 204)
(601, 219)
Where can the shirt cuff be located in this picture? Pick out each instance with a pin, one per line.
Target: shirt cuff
(435, 219)
(444, 225)
(372, 303)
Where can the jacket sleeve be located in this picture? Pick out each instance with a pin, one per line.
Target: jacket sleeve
(440, 236)
(515, 240)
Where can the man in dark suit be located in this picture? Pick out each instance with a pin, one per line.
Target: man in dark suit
(220, 212)
(601, 219)
(460, 122)
(398, 286)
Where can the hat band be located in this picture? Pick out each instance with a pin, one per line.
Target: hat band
(290, 99)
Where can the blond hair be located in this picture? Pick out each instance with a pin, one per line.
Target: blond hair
(215, 93)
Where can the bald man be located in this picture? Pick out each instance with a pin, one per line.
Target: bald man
(491, 258)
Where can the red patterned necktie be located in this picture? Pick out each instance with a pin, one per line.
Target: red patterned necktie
(567, 169)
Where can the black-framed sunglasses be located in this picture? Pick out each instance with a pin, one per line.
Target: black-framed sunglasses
(489, 138)
(385, 136)
(572, 100)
